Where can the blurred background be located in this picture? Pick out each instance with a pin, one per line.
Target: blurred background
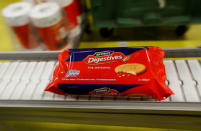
(41, 25)
(163, 23)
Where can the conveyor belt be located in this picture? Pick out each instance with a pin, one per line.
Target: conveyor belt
(22, 83)
(22, 99)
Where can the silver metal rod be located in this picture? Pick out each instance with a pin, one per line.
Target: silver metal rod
(105, 104)
(53, 55)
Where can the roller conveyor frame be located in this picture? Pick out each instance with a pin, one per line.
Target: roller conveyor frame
(53, 55)
(148, 108)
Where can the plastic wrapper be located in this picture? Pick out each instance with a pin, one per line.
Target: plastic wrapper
(123, 71)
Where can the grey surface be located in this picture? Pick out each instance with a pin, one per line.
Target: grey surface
(53, 55)
(105, 104)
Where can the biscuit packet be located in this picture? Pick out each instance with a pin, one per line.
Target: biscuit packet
(124, 71)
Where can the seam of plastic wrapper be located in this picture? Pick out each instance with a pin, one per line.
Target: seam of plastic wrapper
(159, 74)
(155, 70)
(60, 68)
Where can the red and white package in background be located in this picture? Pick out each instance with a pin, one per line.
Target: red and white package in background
(73, 12)
(52, 27)
(17, 17)
(124, 71)
(72, 9)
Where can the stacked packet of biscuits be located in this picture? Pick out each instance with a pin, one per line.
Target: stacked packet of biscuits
(124, 71)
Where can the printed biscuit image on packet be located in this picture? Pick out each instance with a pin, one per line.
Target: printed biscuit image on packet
(131, 68)
(124, 71)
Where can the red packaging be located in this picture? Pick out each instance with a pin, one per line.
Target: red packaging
(72, 12)
(111, 71)
(53, 29)
(16, 16)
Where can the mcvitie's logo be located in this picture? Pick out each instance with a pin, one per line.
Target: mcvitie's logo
(104, 57)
